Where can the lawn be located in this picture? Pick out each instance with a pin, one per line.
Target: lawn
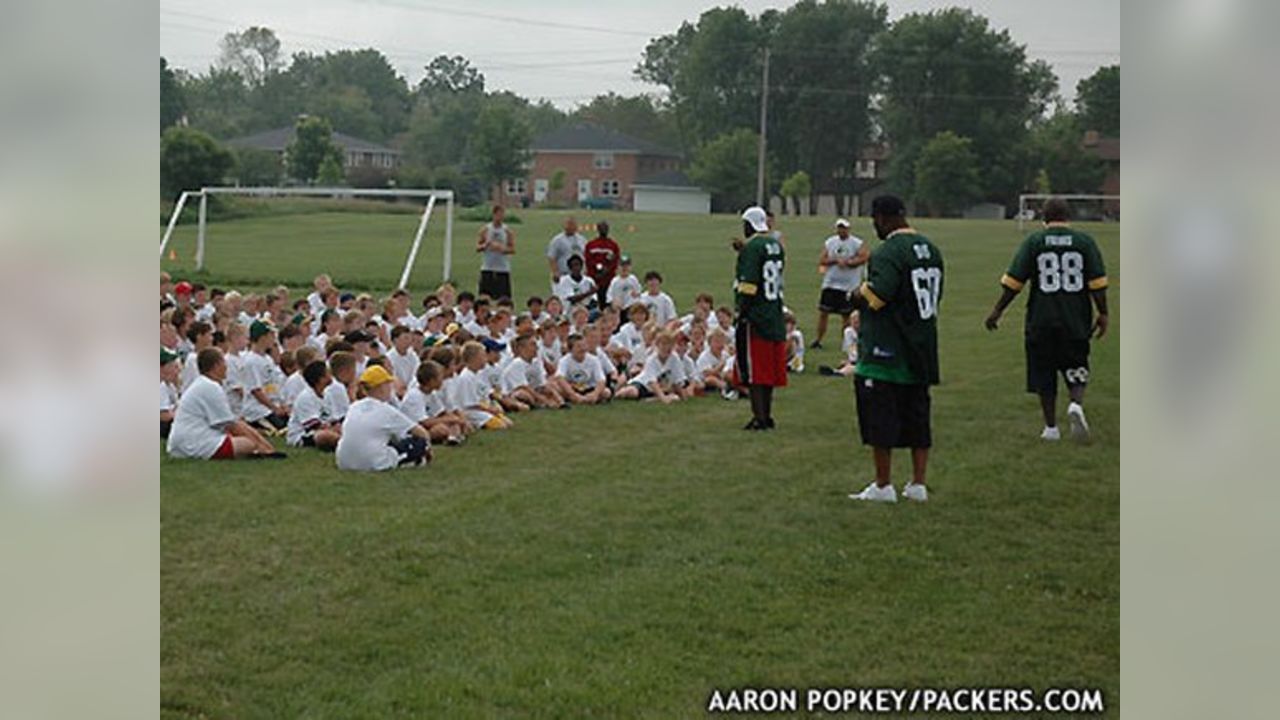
(624, 560)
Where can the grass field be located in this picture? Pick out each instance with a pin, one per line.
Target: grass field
(624, 560)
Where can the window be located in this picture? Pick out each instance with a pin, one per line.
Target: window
(865, 169)
(603, 161)
(516, 186)
(610, 188)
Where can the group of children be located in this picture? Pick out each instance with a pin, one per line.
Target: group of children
(378, 384)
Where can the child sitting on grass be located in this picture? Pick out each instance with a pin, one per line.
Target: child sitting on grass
(423, 404)
(661, 377)
(471, 391)
(337, 396)
(308, 424)
(579, 375)
(205, 427)
(377, 436)
(525, 378)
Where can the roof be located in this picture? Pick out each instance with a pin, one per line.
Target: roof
(279, 138)
(667, 179)
(1104, 147)
(586, 137)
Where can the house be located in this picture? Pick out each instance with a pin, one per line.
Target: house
(858, 184)
(357, 153)
(601, 165)
(1107, 150)
(669, 191)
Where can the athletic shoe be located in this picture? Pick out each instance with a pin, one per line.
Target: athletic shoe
(729, 394)
(827, 370)
(875, 493)
(453, 440)
(815, 345)
(915, 491)
(754, 424)
(1079, 426)
(769, 424)
(1051, 433)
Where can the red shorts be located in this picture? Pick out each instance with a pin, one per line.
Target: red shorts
(760, 361)
(226, 451)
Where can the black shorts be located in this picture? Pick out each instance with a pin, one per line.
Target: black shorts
(495, 284)
(412, 449)
(835, 301)
(645, 392)
(893, 415)
(1052, 351)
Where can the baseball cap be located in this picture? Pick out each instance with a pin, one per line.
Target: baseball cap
(167, 356)
(297, 319)
(842, 223)
(491, 345)
(451, 328)
(182, 288)
(345, 297)
(375, 375)
(258, 329)
(888, 205)
(625, 259)
(756, 217)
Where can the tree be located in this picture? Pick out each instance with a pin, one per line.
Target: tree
(173, 103)
(258, 168)
(500, 145)
(640, 116)
(311, 146)
(330, 172)
(218, 103)
(190, 160)
(253, 53)
(1098, 101)
(947, 178)
(557, 181)
(796, 186)
(948, 70)
(726, 166)
(450, 75)
(1056, 150)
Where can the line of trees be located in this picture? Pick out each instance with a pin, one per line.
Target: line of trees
(967, 115)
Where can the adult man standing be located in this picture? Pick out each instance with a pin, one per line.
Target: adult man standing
(840, 263)
(498, 243)
(898, 348)
(564, 246)
(601, 256)
(1069, 273)
(761, 332)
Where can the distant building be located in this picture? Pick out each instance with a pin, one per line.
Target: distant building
(357, 153)
(859, 183)
(603, 166)
(1108, 150)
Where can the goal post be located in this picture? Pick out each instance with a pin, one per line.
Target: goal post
(1102, 207)
(428, 195)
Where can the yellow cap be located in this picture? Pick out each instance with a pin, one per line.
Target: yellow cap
(375, 375)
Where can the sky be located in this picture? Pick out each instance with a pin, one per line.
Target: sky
(568, 51)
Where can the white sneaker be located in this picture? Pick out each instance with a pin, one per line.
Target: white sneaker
(915, 491)
(1051, 433)
(1079, 426)
(875, 493)
(729, 394)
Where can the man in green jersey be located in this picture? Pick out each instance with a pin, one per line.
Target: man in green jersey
(760, 331)
(1067, 277)
(897, 348)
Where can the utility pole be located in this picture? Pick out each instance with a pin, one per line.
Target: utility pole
(764, 121)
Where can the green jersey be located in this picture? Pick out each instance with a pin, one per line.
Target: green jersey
(1063, 266)
(758, 287)
(898, 341)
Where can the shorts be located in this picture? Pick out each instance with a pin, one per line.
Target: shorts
(760, 361)
(645, 392)
(1052, 351)
(835, 300)
(495, 284)
(412, 450)
(225, 451)
(893, 415)
(165, 427)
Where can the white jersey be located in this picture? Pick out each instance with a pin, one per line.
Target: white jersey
(419, 405)
(623, 292)
(667, 372)
(566, 287)
(168, 397)
(470, 389)
(255, 374)
(200, 424)
(629, 338)
(606, 363)
(710, 362)
(842, 278)
(689, 366)
(661, 307)
(404, 367)
(307, 413)
(550, 354)
(523, 373)
(369, 426)
(584, 376)
(190, 371)
(293, 387)
(336, 401)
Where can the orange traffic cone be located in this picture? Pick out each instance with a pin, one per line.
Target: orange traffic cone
(173, 255)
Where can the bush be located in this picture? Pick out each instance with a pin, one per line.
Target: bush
(190, 160)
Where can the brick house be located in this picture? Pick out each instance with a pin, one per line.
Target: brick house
(599, 164)
(356, 153)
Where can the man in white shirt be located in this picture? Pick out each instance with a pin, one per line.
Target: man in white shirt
(377, 436)
(204, 426)
(841, 262)
(661, 307)
(564, 246)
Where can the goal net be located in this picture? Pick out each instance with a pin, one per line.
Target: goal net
(275, 243)
(1084, 208)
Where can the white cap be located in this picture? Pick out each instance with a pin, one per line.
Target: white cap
(842, 223)
(756, 217)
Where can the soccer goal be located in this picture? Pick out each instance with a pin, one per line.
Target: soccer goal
(430, 196)
(1083, 207)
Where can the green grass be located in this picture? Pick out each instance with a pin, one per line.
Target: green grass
(624, 560)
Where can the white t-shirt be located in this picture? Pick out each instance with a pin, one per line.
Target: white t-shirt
(369, 425)
(849, 345)
(470, 389)
(606, 364)
(190, 371)
(661, 307)
(629, 338)
(495, 258)
(709, 361)
(566, 287)
(404, 367)
(623, 292)
(168, 396)
(550, 354)
(293, 387)
(316, 302)
(583, 376)
(842, 278)
(419, 405)
(668, 373)
(689, 365)
(522, 373)
(200, 425)
(336, 401)
(308, 410)
(255, 374)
